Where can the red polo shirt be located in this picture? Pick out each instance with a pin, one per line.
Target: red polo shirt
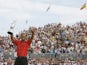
(22, 47)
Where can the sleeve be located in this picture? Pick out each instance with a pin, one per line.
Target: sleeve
(29, 42)
(16, 42)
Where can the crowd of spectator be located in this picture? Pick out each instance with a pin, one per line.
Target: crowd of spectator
(53, 39)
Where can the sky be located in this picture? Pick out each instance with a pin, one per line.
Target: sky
(34, 12)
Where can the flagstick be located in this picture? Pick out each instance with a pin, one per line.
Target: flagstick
(48, 8)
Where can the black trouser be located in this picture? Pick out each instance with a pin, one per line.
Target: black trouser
(21, 61)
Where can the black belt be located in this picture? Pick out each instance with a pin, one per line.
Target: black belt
(21, 57)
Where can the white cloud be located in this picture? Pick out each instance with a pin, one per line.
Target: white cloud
(20, 5)
(63, 10)
(16, 10)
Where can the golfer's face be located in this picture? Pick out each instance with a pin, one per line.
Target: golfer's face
(23, 36)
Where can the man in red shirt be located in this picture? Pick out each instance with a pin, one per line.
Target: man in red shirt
(22, 47)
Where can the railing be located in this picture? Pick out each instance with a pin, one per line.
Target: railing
(56, 59)
(62, 56)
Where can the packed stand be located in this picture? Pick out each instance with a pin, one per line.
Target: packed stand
(51, 39)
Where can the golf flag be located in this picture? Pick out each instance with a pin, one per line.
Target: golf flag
(83, 6)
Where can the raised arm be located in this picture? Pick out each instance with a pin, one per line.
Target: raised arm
(13, 39)
(32, 36)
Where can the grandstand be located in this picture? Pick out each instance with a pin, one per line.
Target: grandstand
(53, 44)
